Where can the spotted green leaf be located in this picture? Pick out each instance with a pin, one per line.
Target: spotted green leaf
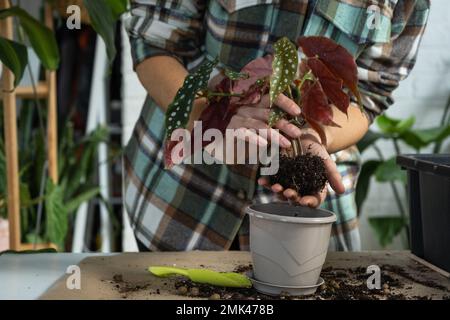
(233, 75)
(177, 114)
(284, 66)
(276, 114)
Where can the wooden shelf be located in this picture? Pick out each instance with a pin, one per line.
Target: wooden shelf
(44, 90)
(30, 246)
(27, 92)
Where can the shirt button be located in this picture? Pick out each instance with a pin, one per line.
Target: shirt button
(241, 194)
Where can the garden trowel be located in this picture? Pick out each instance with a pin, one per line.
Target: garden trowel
(221, 279)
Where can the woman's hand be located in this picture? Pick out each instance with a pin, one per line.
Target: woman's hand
(257, 117)
(311, 143)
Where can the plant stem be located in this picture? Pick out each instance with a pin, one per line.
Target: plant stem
(396, 146)
(223, 94)
(295, 147)
(290, 93)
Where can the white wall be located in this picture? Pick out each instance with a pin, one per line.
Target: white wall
(133, 93)
(133, 96)
(423, 94)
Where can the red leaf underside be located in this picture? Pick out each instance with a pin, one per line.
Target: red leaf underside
(331, 85)
(215, 115)
(338, 60)
(168, 146)
(315, 104)
(318, 128)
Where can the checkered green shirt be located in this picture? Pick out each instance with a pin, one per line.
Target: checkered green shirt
(202, 206)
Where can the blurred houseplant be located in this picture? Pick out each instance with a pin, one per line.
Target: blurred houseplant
(76, 157)
(385, 170)
(103, 16)
(77, 164)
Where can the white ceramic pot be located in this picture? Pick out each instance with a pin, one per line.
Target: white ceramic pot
(289, 243)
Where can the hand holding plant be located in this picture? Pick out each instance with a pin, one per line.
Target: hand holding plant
(316, 158)
(278, 92)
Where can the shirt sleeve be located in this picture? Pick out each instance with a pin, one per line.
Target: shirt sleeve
(382, 66)
(171, 27)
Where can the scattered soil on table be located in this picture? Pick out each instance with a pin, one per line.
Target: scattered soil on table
(125, 287)
(404, 274)
(304, 173)
(243, 268)
(350, 284)
(340, 284)
(117, 278)
(190, 289)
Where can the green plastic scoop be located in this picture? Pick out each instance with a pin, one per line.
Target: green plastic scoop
(221, 279)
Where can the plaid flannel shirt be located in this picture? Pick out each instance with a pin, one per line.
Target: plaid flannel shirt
(202, 206)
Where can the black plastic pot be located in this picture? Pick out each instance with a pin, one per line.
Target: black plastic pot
(429, 206)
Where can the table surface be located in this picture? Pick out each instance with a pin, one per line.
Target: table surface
(33, 276)
(28, 276)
